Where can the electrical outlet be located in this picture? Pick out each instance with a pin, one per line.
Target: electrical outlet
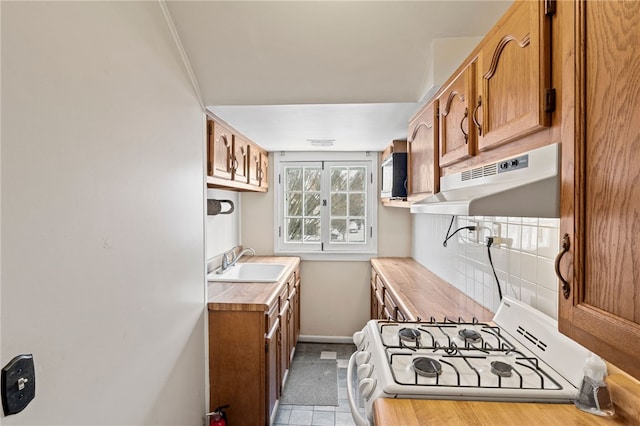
(495, 229)
(473, 235)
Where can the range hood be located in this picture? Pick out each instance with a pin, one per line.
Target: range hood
(527, 185)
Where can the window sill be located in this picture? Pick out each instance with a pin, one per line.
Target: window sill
(330, 256)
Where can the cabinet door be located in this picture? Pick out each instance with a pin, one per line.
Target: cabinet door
(423, 153)
(457, 136)
(220, 150)
(240, 159)
(514, 77)
(254, 165)
(258, 166)
(292, 338)
(284, 342)
(272, 380)
(264, 169)
(601, 195)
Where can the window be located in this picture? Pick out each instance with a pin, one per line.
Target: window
(325, 207)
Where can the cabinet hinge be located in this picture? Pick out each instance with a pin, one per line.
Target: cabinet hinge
(549, 100)
(549, 7)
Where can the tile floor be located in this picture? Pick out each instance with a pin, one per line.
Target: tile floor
(310, 415)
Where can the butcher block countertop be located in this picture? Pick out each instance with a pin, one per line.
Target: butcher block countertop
(415, 412)
(242, 296)
(421, 293)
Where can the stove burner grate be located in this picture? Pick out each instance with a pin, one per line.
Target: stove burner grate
(427, 367)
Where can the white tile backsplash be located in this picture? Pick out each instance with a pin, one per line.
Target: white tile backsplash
(524, 265)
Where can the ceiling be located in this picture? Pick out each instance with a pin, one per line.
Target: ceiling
(286, 72)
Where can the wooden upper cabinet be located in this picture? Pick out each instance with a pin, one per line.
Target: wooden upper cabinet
(220, 146)
(457, 135)
(240, 159)
(600, 210)
(423, 167)
(514, 96)
(258, 166)
(233, 161)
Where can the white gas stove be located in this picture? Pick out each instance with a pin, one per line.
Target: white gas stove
(521, 356)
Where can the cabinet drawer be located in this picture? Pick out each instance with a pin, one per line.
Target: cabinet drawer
(283, 296)
(271, 318)
(379, 285)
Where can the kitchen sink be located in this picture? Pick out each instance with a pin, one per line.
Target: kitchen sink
(250, 273)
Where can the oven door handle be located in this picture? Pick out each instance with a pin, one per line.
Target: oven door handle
(357, 417)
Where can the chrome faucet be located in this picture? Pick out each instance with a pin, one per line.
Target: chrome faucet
(228, 263)
(242, 253)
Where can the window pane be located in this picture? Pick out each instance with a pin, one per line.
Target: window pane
(293, 204)
(338, 204)
(356, 205)
(312, 179)
(357, 177)
(312, 204)
(294, 178)
(356, 231)
(338, 230)
(339, 177)
(312, 229)
(294, 230)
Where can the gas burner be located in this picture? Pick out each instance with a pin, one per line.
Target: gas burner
(409, 334)
(501, 369)
(470, 336)
(427, 367)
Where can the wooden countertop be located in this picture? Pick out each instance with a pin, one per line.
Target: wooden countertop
(421, 293)
(417, 412)
(230, 296)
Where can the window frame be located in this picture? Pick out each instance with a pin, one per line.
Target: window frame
(325, 249)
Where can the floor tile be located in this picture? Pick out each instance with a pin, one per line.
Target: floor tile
(301, 417)
(328, 355)
(323, 418)
(344, 419)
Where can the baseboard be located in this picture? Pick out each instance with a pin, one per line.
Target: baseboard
(325, 339)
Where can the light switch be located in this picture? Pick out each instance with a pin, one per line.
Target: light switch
(18, 385)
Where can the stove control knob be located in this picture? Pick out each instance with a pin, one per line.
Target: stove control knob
(367, 386)
(364, 371)
(359, 338)
(362, 357)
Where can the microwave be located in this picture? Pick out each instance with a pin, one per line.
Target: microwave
(394, 176)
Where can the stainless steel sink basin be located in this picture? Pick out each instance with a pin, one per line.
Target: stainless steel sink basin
(250, 273)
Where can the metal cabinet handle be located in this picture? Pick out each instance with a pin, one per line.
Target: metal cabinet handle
(565, 248)
(234, 163)
(466, 135)
(475, 116)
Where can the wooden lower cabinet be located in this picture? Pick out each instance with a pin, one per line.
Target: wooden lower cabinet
(383, 304)
(250, 352)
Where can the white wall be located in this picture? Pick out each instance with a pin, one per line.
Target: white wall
(222, 230)
(524, 266)
(334, 295)
(102, 215)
